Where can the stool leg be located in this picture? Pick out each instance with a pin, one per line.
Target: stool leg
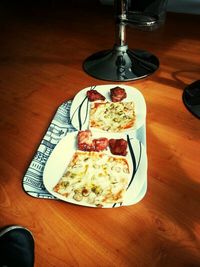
(120, 63)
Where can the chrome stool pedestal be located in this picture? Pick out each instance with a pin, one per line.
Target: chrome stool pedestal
(121, 63)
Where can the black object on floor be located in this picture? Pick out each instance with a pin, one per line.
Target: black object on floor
(16, 247)
(191, 98)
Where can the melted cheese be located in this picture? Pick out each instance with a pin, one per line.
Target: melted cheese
(95, 178)
(112, 117)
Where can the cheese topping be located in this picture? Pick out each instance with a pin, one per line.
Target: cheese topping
(94, 178)
(112, 116)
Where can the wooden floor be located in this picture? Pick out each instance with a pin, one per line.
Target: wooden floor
(42, 49)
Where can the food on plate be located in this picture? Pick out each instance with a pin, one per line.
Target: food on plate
(95, 178)
(112, 116)
(94, 95)
(117, 94)
(85, 142)
(101, 143)
(118, 146)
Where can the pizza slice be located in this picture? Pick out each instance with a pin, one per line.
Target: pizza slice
(94, 178)
(112, 116)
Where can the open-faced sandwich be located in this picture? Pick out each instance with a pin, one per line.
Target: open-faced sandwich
(114, 116)
(94, 176)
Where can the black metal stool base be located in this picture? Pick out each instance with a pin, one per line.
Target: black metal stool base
(121, 64)
(191, 98)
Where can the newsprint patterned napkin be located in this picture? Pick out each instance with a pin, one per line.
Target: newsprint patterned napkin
(58, 128)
